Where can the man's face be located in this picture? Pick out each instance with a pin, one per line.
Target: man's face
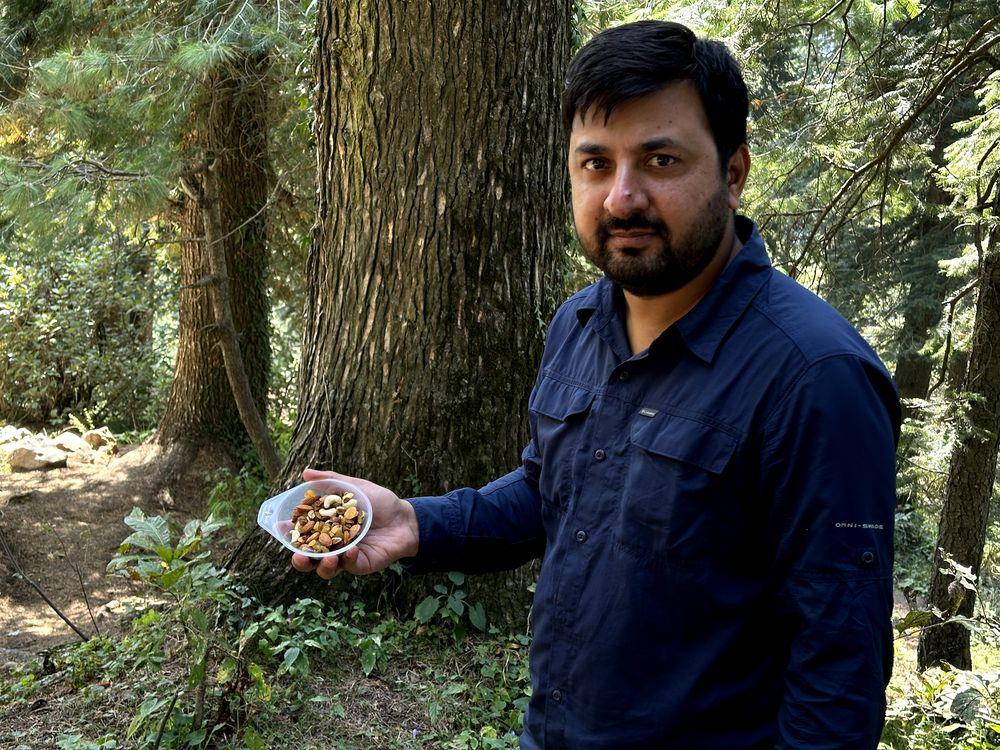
(650, 201)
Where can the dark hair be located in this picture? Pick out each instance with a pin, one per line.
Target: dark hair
(630, 61)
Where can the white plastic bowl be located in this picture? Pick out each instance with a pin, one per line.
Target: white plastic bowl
(275, 514)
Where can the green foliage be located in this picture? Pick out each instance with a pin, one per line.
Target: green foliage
(257, 664)
(99, 105)
(235, 498)
(449, 604)
(82, 327)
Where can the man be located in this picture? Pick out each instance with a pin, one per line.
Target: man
(710, 477)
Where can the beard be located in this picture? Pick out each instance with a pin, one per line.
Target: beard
(676, 261)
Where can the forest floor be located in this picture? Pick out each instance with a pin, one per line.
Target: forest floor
(63, 526)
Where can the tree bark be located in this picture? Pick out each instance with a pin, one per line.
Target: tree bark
(439, 238)
(230, 122)
(965, 515)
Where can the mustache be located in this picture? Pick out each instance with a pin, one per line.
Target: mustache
(609, 224)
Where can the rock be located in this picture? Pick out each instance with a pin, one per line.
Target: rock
(11, 434)
(81, 458)
(28, 457)
(70, 442)
(97, 438)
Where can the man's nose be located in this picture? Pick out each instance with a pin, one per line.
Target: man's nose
(626, 196)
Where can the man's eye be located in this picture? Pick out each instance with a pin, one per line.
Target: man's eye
(662, 160)
(594, 164)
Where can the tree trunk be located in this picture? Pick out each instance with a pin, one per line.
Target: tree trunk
(965, 515)
(230, 122)
(439, 238)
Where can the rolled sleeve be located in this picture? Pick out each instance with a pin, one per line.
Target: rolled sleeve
(829, 474)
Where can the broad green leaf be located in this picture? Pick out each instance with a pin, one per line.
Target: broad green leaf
(291, 656)
(226, 670)
(966, 705)
(259, 681)
(368, 658)
(426, 609)
(477, 616)
(151, 532)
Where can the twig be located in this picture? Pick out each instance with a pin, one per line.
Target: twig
(86, 599)
(952, 303)
(163, 721)
(21, 574)
(966, 58)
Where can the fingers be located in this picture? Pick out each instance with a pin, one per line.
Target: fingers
(328, 567)
(349, 561)
(302, 563)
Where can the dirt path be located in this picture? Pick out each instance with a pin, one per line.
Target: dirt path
(61, 519)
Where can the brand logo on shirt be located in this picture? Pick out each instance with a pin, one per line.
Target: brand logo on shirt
(647, 412)
(857, 525)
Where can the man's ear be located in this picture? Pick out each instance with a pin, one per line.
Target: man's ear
(736, 174)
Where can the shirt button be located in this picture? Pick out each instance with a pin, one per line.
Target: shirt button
(599, 454)
(581, 536)
(623, 375)
(557, 695)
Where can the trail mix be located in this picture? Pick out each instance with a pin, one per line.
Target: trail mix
(323, 523)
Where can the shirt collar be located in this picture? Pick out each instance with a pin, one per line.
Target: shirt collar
(702, 328)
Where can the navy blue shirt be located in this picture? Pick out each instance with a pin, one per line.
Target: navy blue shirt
(714, 516)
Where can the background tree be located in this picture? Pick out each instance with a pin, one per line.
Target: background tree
(436, 261)
(974, 176)
(126, 104)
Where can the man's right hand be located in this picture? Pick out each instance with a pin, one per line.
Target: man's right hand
(393, 534)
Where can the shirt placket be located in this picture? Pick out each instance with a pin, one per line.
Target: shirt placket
(598, 476)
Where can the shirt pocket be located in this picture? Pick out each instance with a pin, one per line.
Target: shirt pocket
(558, 412)
(675, 501)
